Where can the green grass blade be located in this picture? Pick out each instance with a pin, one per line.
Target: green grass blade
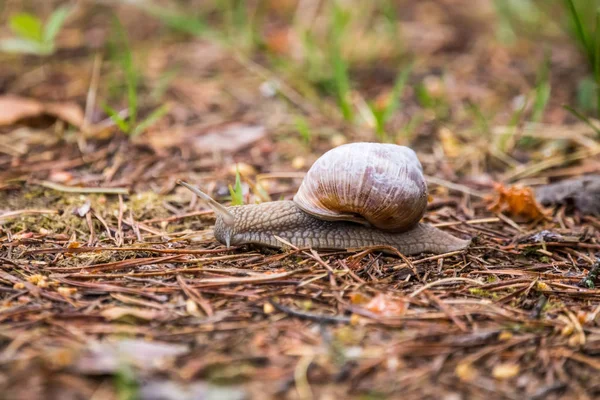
(131, 77)
(303, 129)
(178, 21)
(114, 115)
(55, 23)
(542, 91)
(396, 94)
(582, 118)
(579, 29)
(236, 192)
(597, 61)
(340, 67)
(481, 119)
(154, 117)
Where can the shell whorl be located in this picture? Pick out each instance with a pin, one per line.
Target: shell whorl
(370, 183)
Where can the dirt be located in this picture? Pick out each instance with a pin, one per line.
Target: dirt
(113, 287)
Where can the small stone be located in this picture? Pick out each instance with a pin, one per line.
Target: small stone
(338, 140)
(268, 308)
(299, 163)
(244, 169)
(505, 371)
(66, 291)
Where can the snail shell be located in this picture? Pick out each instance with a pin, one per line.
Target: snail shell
(375, 184)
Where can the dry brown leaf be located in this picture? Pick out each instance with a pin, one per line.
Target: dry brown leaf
(516, 200)
(358, 298)
(386, 306)
(13, 109)
(229, 138)
(16, 108)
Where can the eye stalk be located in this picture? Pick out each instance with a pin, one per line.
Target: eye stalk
(219, 209)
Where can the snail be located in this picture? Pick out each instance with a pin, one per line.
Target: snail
(355, 195)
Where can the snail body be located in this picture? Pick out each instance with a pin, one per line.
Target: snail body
(356, 195)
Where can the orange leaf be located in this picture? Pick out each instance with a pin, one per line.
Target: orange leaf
(386, 305)
(516, 200)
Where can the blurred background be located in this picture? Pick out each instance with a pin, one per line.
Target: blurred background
(439, 74)
(105, 104)
(480, 86)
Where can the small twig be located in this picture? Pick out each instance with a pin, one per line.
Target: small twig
(446, 280)
(18, 213)
(455, 186)
(195, 296)
(58, 250)
(548, 163)
(88, 190)
(310, 316)
(470, 222)
(432, 258)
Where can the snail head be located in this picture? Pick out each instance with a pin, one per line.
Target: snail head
(225, 223)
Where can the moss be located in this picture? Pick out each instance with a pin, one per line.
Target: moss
(484, 293)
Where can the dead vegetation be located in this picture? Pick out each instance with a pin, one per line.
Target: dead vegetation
(112, 287)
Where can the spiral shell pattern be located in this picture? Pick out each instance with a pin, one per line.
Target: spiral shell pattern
(375, 184)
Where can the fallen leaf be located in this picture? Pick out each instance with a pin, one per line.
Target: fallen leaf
(60, 176)
(13, 109)
(16, 108)
(358, 298)
(516, 200)
(386, 306)
(228, 139)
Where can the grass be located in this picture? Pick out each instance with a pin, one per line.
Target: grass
(236, 192)
(303, 129)
(339, 21)
(382, 115)
(325, 67)
(129, 124)
(126, 384)
(585, 28)
(542, 91)
(32, 36)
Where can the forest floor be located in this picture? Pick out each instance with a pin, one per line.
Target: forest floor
(112, 286)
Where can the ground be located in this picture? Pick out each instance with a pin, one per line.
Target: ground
(112, 286)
